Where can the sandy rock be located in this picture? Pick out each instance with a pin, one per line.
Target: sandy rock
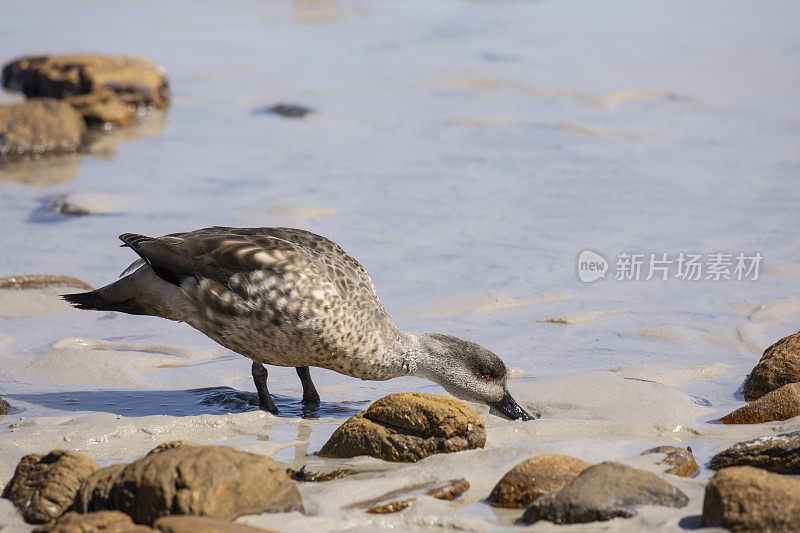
(680, 460)
(5, 407)
(134, 80)
(38, 127)
(777, 453)
(535, 477)
(780, 404)
(102, 522)
(101, 107)
(744, 498)
(407, 427)
(779, 366)
(184, 478)
(43, 487)
(603, 492)
(37, 281)
(201, 524)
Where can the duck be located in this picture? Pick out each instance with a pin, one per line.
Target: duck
(289, 297)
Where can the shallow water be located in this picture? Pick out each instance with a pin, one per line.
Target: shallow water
(465, 152)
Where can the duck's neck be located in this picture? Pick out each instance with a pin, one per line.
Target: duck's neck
(419, 357)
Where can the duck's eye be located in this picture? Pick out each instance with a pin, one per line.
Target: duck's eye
(487, 375)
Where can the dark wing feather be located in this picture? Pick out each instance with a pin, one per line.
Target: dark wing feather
(218, 253)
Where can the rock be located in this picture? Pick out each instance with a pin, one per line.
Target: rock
(135, 81)
(744, 498)
(43, 487)
(777, 453)
(289, 110)
(185, 478)
(779, 366)
(389, 502)
(5, 407)
(37, 281)
(40, 127)
(681, 460)
(533, 478)
(407, 427)
(316, 476)
(780, 404)
(101, 522)
(102, 107)
(201, 524)
(603, 492)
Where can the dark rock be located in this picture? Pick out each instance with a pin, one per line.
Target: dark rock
(603, 492)
(40, 127)
(779, 366)
(134, 81)
(190, 479)
(780, 404)
(289, 110)
(306, 475)
(37, 281)
(777, 453)
(744, 498)
(408, 427)
(680, 460)
(201, 524)
(101, 522)
(43, 487)
(534, 478)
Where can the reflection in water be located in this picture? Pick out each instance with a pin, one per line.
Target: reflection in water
(52, 170)
(206, 401)
(103, 144)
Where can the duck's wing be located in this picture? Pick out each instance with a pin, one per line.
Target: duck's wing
(249, 260)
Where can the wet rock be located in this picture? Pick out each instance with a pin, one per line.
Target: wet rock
(533, 478)
(5, 407)
(780, 404)
(289, 110)
(40, 127)
(779, 366)
(316, 476)
(680, 460)
(744, 498)
(37, 281)
(201, 524)
(43, 487)
(102, 107)
(101, 522)
(777, 453)
(399, 499)
(134, 81)
(603, 492)
(185, 478)
(407, 427)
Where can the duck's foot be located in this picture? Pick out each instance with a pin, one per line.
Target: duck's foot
(260, 379)
(310, 394)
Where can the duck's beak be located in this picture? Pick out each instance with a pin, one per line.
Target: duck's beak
(510, 408)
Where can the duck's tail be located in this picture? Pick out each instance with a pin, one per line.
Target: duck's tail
(100, 300)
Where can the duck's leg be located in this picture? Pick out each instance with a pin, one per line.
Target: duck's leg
(310, 394)
(260, 378)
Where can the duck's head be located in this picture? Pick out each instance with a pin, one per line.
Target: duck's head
(467, 371)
